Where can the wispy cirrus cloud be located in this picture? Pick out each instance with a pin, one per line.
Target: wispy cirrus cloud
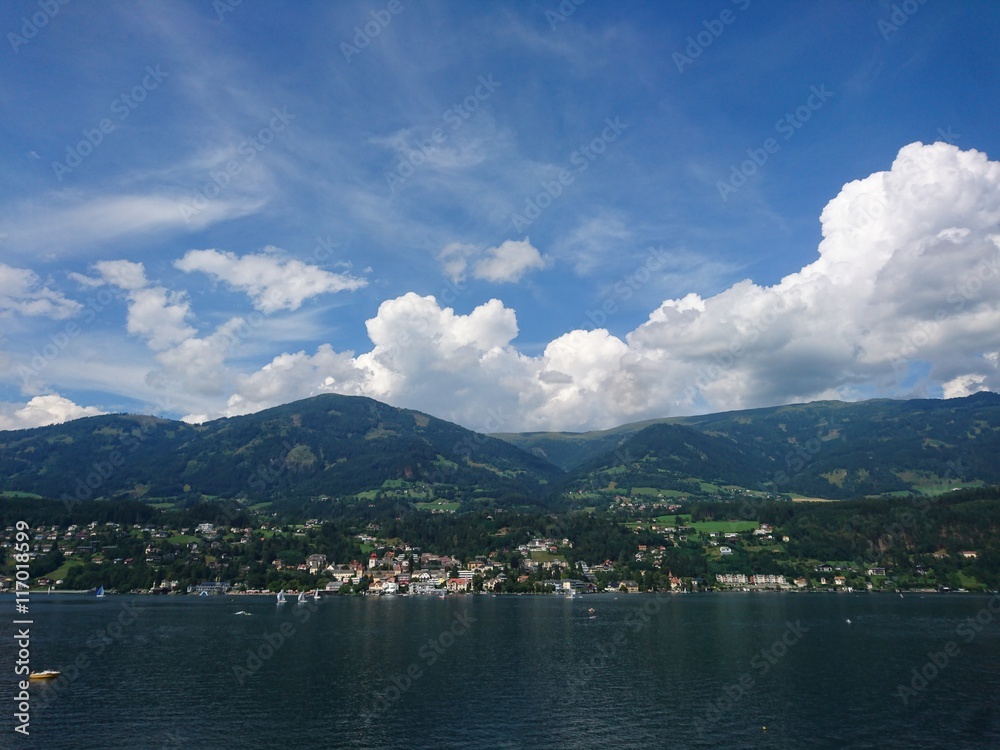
(78, 225)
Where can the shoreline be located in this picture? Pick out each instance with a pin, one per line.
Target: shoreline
(331, 594)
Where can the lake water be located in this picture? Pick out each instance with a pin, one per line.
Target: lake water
(515, 672)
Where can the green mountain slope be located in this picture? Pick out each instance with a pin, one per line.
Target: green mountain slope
(836, 449)
(570, 450)
(357, 449)
(324, 446)
(827, 449)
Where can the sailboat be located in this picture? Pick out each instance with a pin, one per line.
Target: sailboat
(316, 595)
(100, 593)
(302, 597)
(281, 597)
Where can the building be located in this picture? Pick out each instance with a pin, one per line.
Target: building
(209, 587)
(732, 579)
(316, 563)
(767, 579)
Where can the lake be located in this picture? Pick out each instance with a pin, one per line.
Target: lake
(511, 672)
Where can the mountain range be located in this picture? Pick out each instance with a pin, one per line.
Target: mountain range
(349, 449)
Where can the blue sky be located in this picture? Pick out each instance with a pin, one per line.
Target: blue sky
(511, 215)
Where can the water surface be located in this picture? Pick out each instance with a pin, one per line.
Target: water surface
(514, 672)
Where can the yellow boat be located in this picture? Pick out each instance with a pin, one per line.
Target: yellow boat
(45, 674)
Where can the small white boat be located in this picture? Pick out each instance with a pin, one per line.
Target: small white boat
(243, 612)
(316, 595)
(45, 674)
(281, 597)
(100, 593)
(302, 597)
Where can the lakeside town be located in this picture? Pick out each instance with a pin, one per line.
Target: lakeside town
(668, 552)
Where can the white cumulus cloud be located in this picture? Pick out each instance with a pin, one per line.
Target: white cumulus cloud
(22, 293)
(123, 274)
(43, 410)
(506, 263)
(903, 298)
(272, 283)
(155, 313)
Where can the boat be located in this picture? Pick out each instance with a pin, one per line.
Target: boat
(243, 612)
(316, 595)
(281, 597)
(45, 674)
(100, 593)
(302, 597)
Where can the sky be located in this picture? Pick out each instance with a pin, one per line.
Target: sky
(511, 215)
